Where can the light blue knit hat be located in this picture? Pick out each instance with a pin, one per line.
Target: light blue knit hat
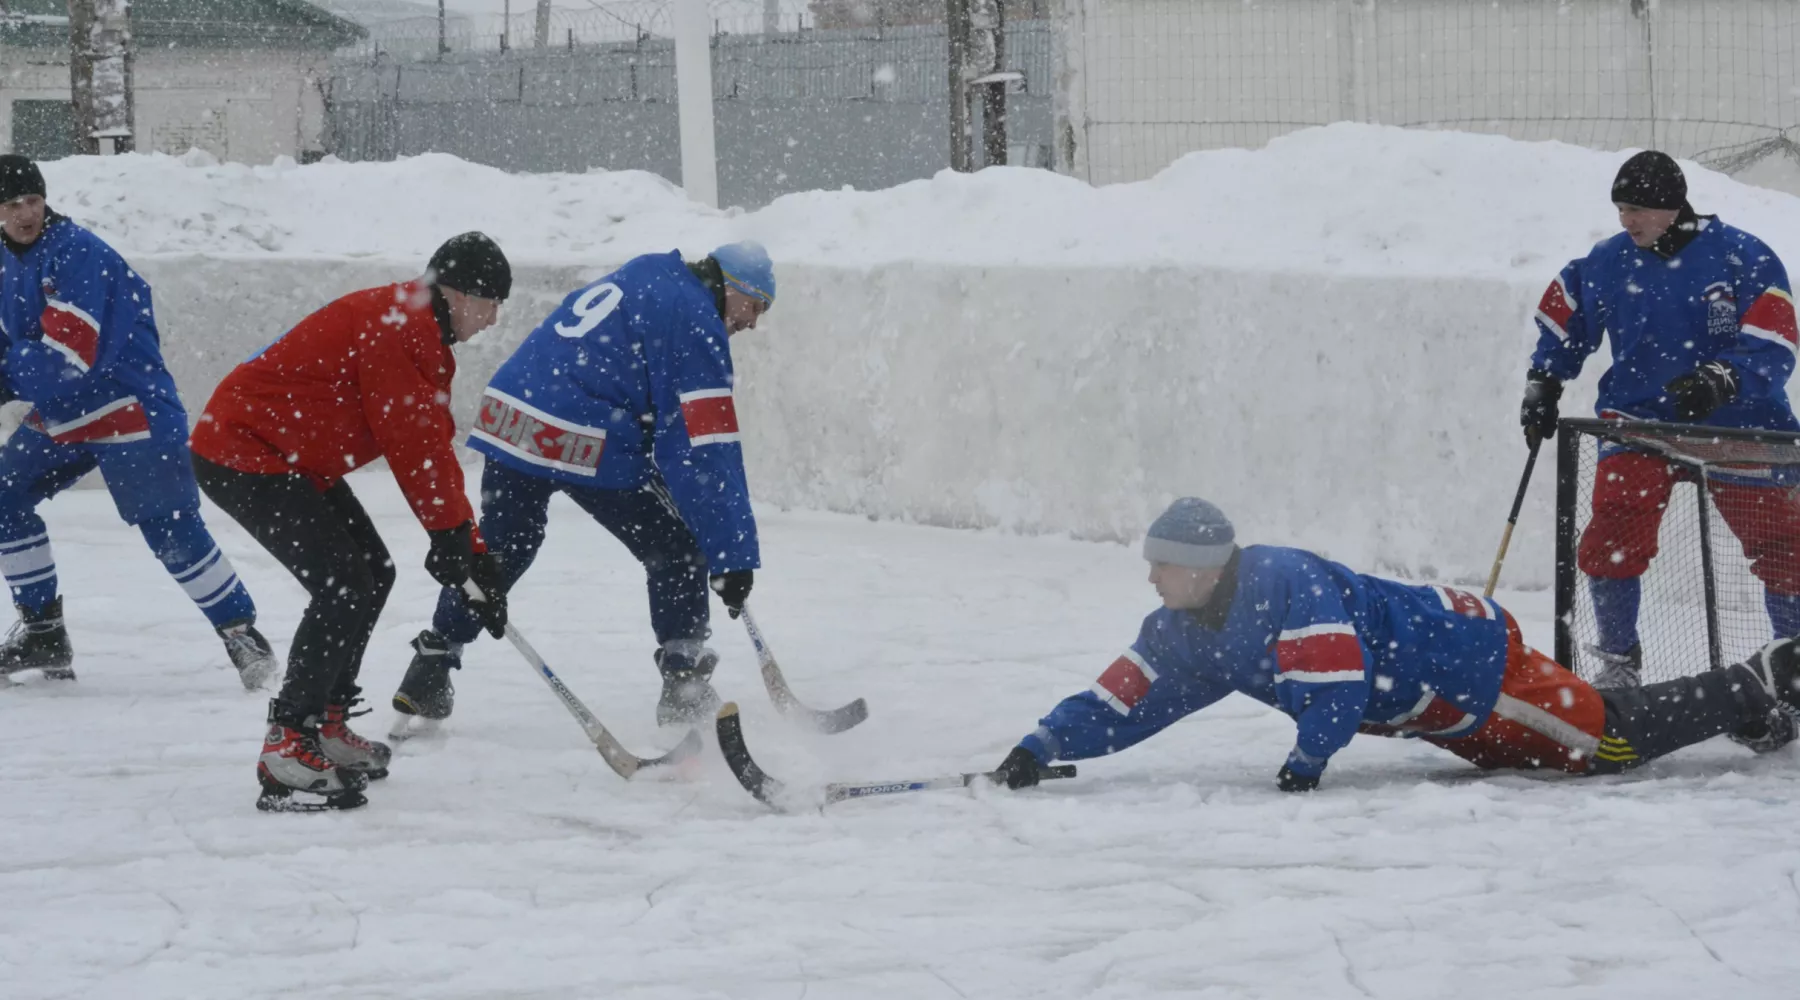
(1191, 533)
(747, 268)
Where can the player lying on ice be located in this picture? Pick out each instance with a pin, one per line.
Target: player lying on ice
(1344, 653)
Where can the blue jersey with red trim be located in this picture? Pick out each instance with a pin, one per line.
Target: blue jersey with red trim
(1336, 650)
(630, 377)
(1723, 297)
(81, 341)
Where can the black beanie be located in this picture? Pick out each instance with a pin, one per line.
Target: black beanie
(1650, 180)
(19, 177)
(472, 264)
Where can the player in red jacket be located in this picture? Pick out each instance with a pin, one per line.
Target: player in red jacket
(365, 377)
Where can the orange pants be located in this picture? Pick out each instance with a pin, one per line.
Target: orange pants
(1546, 717)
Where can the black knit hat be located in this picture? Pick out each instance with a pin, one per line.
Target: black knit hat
(19, 177)
(1650, 180)
(472, 264)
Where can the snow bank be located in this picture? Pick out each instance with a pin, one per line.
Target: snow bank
(1343, 199)
(1327, 337)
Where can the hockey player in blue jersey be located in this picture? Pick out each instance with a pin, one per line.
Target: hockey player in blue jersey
(81, 346)
(1343, 653)
(622, 400)
(1701, 321)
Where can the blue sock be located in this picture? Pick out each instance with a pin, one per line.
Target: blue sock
(26, 561)
(1784, 613)
(187, 550)
(1616, 611)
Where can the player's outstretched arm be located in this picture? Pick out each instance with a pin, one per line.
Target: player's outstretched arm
(1131, 701)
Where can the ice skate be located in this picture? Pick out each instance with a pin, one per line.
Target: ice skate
(1618, 670)
(250, 653)
(348, 750)
(688, 697)
(426, 690)
(292, 761)
(38, 641)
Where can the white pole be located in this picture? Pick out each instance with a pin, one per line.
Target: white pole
(693, 91)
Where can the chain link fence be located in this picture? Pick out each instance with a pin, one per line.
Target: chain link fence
(794, 111)
(1149, 80)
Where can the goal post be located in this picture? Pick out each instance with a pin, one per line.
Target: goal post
(1703, 603)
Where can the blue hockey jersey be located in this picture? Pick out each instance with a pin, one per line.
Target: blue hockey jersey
(1723, 296)
(629, 377)
(81, 342)
(1334, 649)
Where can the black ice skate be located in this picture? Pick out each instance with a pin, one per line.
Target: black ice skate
(1776, 667)
(1770, 734)
(426, 690)
(1618, 670)
(688, 697)
(38, 641)
(250, 653)
(348, 750)
(292, 761)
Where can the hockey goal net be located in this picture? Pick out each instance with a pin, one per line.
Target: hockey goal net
(1701, 604)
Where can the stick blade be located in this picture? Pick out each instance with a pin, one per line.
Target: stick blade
(829, 722)
(737, 757)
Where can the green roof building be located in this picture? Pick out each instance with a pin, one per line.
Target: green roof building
(240, 79)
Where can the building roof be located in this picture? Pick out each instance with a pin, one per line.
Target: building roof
(286, 24)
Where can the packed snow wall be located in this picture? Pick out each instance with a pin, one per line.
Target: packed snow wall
(1371, 417)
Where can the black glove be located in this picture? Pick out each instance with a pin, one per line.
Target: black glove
(1018, 770)
(484, 569)
(1698, 393)
(733, 588)
(1538, 412)
(1290, 780)
(452, 549)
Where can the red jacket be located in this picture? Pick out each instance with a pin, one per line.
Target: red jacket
(366, 376)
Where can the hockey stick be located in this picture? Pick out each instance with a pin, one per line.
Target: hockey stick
(769, 791)
(1512, 520)
(611, 750)
(835, 721)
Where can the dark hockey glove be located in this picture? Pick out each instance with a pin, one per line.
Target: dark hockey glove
(484, 570)
(1537, 414)
(452, 549)
(1698, 393)
(733, 588)
(1018, 770)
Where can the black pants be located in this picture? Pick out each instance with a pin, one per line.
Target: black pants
(324, 538)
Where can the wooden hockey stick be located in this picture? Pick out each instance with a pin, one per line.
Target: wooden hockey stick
(1512, 520)
(834, 721)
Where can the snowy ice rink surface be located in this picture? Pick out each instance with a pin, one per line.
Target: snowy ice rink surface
(505, 860)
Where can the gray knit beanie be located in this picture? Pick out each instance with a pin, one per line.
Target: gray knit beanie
(1191, 533)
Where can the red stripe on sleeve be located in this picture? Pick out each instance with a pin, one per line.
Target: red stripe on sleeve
(709, 417)
(1327, 653)
(78, 338)
(1126, 683)
(1774, 313)
(1555, 307)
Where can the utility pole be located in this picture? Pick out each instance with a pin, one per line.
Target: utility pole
(694, 101)
(962, 141)
(771, 16)
(977, 79)
(541, 37)
(100, 75)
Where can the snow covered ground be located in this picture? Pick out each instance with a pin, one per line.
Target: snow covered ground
(505, 860)
(1344, 199)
